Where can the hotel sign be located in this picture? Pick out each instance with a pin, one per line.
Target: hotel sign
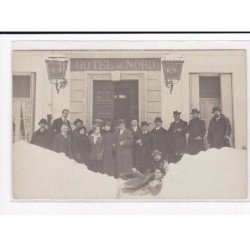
(115, 64)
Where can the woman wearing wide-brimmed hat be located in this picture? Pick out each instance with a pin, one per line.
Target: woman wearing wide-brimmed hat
(197, 131)
(81, 145)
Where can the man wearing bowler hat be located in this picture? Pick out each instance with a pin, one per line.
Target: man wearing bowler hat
(219, 130)
(197, 131)
(177, 132)
(145, 148)
(160, 138)
(77, 123)
(41, 137)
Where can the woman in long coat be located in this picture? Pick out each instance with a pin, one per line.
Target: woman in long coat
(62, 142)
(109, 153)
(96, 150)
(124, 144)
(81, 145)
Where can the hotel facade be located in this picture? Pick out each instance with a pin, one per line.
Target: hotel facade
(113, 84)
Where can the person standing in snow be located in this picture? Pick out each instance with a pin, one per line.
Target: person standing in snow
(77, 123)
(57, 123)
(96, 150)
(109, 155)
(197, 131)
(41, 137)
(219, 130)
(81, 145)
(124, 144)
(137, 134)
(145, 148)
(160, 138)
(62, 142)
(177, 132)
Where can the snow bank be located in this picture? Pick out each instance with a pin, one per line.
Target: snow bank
(214, 174)
(43, 174)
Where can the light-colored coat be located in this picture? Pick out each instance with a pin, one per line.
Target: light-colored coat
(124, 153)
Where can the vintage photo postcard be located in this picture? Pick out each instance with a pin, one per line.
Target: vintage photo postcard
(128, 124)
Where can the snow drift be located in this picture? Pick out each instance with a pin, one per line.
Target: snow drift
(43, 174)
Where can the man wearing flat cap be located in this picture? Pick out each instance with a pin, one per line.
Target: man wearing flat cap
(41, 137)
(219, 130)
(160, 138)
(177, 132)
(197, 131)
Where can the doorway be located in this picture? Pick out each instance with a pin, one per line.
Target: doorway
(210, 96)
(115, 100)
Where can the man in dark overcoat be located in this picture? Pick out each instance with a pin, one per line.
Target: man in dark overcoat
(177, 132)
(219, 130)
(41, 137)
(124, 144)
(145, 148)
(57, 123)
(160, 138)
(197, 131)
(137, 134)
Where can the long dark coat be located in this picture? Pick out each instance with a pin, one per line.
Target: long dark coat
(41, 138)
(63, 145)
(196, 128)
(109, 155)
(145, 151)
(57, 124)
(124, 153)
(137, 136)
(81, 148)
(161, 141)
(217, 129)
(178, 139)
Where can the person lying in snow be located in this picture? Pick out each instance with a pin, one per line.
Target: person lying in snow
(148, 183)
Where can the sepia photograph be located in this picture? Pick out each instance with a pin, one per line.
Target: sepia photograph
(128, 124)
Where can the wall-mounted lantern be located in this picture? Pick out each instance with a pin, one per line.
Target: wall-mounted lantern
(172, 67)
(56, 68)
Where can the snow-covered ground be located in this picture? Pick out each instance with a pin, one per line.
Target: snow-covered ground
(43, 174)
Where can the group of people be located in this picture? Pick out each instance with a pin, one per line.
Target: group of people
(117, 150)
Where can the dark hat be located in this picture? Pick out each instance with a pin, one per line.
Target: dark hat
(98, 121)
(82, 127)
(121, 121)
(158, 119)
(156, 152)
(43, 121)
(215, 109)
(78, 120)
(176, 113)
(144, 123)
(195, 110)
(107, 123)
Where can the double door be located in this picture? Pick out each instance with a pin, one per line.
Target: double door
(115, 100)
